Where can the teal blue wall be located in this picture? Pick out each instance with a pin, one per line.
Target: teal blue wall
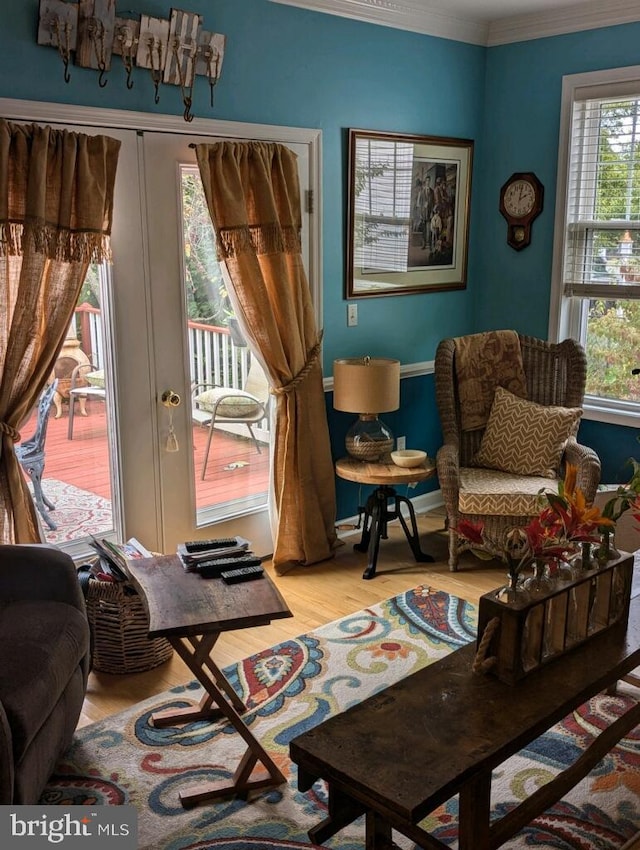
(293, 67)
(522, 122)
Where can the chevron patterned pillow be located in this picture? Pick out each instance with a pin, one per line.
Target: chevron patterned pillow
(525, 438)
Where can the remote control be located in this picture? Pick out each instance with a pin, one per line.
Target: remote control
(243, 574)
(214, 567)
(217, 543)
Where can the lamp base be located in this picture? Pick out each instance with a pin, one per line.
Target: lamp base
(369, 439)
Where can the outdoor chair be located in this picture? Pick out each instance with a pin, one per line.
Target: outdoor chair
(31, 454)
(493, 473)
(86, 382)
(214, 405)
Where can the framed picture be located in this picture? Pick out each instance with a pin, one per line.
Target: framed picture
(408, 216)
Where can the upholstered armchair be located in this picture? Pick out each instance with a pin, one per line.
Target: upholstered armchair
(509, 420)
(45, 637)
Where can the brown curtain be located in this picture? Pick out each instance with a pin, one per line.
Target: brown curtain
(253, 194)
(56, 201)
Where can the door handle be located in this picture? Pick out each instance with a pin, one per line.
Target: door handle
(171, 399)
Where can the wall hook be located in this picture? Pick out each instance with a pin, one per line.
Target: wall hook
(64, 46)
(175, 50)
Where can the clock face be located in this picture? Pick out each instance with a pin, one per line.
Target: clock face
(519, 198)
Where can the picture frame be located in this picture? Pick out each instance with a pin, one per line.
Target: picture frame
(408, 213)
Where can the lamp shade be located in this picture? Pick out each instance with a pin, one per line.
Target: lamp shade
(366, 385)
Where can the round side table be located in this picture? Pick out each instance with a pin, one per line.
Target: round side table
(377, 510)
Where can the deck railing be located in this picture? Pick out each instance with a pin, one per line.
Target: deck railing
(214, 358)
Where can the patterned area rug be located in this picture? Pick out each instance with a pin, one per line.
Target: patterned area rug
(290, 688)
(78, 513)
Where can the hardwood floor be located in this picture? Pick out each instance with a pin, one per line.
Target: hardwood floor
(316, 595)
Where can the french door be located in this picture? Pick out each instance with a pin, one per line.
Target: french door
(159, 339)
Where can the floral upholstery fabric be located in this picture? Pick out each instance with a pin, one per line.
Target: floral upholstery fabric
(491, 492)
(484, 361)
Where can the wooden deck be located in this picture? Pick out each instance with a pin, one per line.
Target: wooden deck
(235, 469)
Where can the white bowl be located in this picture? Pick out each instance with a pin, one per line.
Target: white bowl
(408, 457)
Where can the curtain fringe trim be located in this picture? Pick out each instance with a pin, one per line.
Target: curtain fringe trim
(56, 244)
(258, 238)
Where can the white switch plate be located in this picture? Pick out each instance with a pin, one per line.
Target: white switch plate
(352, 315)
(401, 444)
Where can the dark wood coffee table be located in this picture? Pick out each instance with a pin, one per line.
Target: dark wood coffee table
(400, 754)
(191, 613)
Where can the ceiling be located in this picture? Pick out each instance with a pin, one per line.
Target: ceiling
(487, 22)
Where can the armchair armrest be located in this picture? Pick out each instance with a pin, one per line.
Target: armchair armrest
(448, 467)
(38, 571)
(588, 464)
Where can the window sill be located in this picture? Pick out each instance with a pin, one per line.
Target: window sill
(598, 410)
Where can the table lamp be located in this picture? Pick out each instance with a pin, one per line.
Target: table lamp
(367, 386)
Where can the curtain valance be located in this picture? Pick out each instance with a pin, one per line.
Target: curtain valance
(56, 192)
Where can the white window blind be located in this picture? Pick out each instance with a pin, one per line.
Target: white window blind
(602, 244)
(383, 205)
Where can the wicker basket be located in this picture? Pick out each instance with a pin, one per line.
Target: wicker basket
(119, 628)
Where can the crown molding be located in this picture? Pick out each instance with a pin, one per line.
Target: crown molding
(409, 15)
(568, 19)
(414, 16)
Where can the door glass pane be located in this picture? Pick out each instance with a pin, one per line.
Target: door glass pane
(77, 477)
(229, 391)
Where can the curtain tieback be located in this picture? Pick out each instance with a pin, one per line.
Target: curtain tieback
(302, 374)
(10, 431)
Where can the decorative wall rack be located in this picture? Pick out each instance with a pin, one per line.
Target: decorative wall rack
(175, 50)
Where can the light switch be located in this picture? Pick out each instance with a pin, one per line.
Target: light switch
(352, 315)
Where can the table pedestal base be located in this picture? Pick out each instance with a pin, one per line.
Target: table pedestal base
(377, 515)
(219, 700)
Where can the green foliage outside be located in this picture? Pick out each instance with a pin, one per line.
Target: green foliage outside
(207, 297)
(90, 292)
(613, 338)
(613, 350)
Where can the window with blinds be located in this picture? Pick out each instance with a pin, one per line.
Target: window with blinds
(602, 254)
(596, 282)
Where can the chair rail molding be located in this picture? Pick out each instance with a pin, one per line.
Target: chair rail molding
(416, 16)
(407, 370)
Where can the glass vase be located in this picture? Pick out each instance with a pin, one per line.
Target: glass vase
(540, 583)
(606, 552)
(513, 591)
(584, 561)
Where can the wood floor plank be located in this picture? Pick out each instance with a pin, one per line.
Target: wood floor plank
(316, 595)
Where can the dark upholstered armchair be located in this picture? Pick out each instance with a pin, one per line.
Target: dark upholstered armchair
(554, 377)
(44, 634)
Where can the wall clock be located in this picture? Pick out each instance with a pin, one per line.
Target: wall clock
(520, 202)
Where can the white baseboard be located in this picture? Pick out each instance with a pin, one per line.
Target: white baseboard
(421, 504)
